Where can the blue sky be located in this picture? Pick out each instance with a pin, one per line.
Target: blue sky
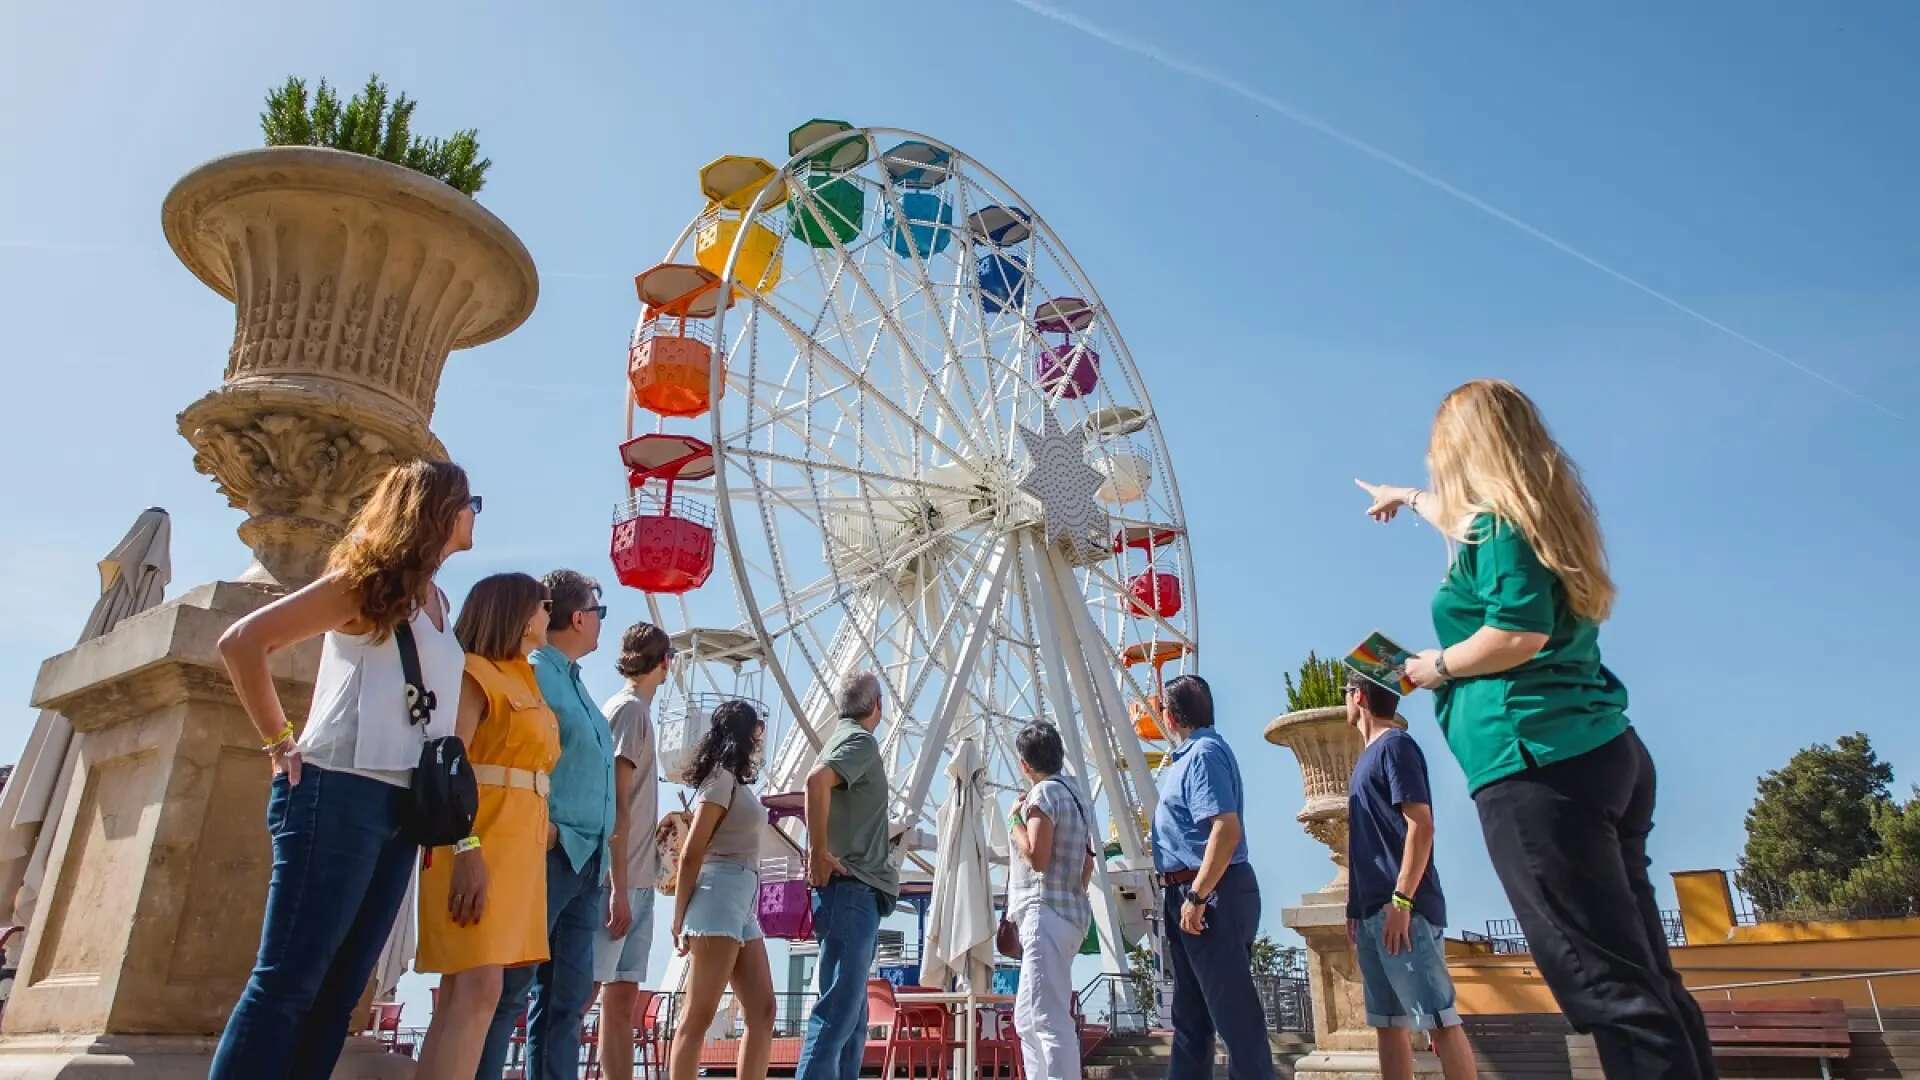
(1297, 306)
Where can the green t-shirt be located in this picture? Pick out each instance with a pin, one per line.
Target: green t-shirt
(1560, 704)
(857, 809)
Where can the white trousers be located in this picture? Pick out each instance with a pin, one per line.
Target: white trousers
(1043, 1007)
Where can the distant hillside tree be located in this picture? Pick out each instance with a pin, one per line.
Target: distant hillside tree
(1825, 837)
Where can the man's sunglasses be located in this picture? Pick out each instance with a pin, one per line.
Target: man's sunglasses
(597, 609)
(473, 504)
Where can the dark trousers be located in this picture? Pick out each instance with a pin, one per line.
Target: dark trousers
(340, 870)
(1569, 841)
(1213, 983)
(562, 986)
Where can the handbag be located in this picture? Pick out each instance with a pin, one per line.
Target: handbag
(1006, 936)
(444, 797)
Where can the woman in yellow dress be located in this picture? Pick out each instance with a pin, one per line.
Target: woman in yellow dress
(483, 901)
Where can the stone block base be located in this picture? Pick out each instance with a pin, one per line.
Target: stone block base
(161, 1057)
(1355, 1065)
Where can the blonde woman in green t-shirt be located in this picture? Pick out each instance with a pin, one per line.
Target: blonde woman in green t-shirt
(1563, 785)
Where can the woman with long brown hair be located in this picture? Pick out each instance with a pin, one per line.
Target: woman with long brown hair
(483, 901)
(716, 890)
(340, 863)
(1563, 784)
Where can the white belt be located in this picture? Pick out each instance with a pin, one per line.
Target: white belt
(500, 776)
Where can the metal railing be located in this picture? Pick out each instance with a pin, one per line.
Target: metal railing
(1111, 1000)
(1504, 937)
(1762, 900)
(1861, 976)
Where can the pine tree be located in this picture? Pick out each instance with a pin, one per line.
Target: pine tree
(1323, 684)
(1817, 821)
(372, 125)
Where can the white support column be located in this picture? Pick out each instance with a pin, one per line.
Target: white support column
(1106, 906)
(1072, 661)
(953, 696)
(1100, 665)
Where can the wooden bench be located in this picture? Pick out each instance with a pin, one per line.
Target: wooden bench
(1788, 1028)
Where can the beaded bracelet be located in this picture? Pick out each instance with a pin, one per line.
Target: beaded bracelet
(285, 734)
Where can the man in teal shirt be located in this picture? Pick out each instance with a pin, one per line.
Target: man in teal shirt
(580, 813)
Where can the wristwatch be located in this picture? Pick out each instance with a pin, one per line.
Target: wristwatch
(1194, 897)
(1440, 666)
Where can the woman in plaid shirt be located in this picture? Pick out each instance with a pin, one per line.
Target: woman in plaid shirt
(1047, 899)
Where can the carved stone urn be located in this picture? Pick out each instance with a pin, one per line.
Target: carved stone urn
(1326, 747)
(352, 279)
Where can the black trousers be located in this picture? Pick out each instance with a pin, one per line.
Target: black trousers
(1569, 841)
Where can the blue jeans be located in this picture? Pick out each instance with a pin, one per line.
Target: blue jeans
(1213, 983)
(1408, 989)
(340, 870)
(846, 923)
(562, 987)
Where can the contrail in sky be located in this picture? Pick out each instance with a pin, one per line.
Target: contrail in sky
(1359, 145)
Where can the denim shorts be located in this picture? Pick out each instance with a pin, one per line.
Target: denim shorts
(725, 903)
(625, 959)
(1409, 989)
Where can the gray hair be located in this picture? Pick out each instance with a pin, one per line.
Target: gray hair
(859, 694)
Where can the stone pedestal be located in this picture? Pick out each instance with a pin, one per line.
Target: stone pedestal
(1344, 1046)
(352, 280)
(151, 913)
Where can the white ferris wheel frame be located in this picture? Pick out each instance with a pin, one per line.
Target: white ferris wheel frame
(1070, 660)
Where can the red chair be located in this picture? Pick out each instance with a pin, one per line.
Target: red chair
(997, 1050)
(386, 1024)
(517, 1043)
(590, 1042)
(919, 1039)
(649, 1041)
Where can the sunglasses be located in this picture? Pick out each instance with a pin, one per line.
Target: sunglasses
(597, 609)
(546, 606)
(474, 504)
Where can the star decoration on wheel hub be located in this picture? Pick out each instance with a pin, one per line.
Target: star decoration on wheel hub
(1058, 476)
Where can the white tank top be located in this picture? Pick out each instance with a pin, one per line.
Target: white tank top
(358, 723)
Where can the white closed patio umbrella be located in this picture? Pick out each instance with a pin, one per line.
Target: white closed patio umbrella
(133, 578)
(960, 922)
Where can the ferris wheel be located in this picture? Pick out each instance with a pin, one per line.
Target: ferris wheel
(889, 402)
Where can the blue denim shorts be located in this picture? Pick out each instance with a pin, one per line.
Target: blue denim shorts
(1410, 989)
(725, 903)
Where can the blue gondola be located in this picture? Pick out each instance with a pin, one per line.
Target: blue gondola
(929, 225)
(1003, 282)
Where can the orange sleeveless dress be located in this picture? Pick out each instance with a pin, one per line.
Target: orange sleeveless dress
(517, 732)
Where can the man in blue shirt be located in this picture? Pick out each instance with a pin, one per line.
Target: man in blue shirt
(580, 811)
(1210, 896)
(1396, 914)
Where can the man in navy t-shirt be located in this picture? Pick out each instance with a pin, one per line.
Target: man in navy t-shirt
(1396, 914)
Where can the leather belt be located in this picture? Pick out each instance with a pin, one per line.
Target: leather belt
(500, 776)
(1178, 877)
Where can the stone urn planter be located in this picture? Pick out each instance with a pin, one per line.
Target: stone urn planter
(1326, 747)
(352, 280)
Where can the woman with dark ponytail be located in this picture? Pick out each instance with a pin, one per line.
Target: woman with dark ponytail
(716, 894)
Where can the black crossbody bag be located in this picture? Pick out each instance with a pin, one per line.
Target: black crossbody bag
(444, 797)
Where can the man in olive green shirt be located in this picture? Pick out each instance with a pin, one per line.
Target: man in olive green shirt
(853, 877)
